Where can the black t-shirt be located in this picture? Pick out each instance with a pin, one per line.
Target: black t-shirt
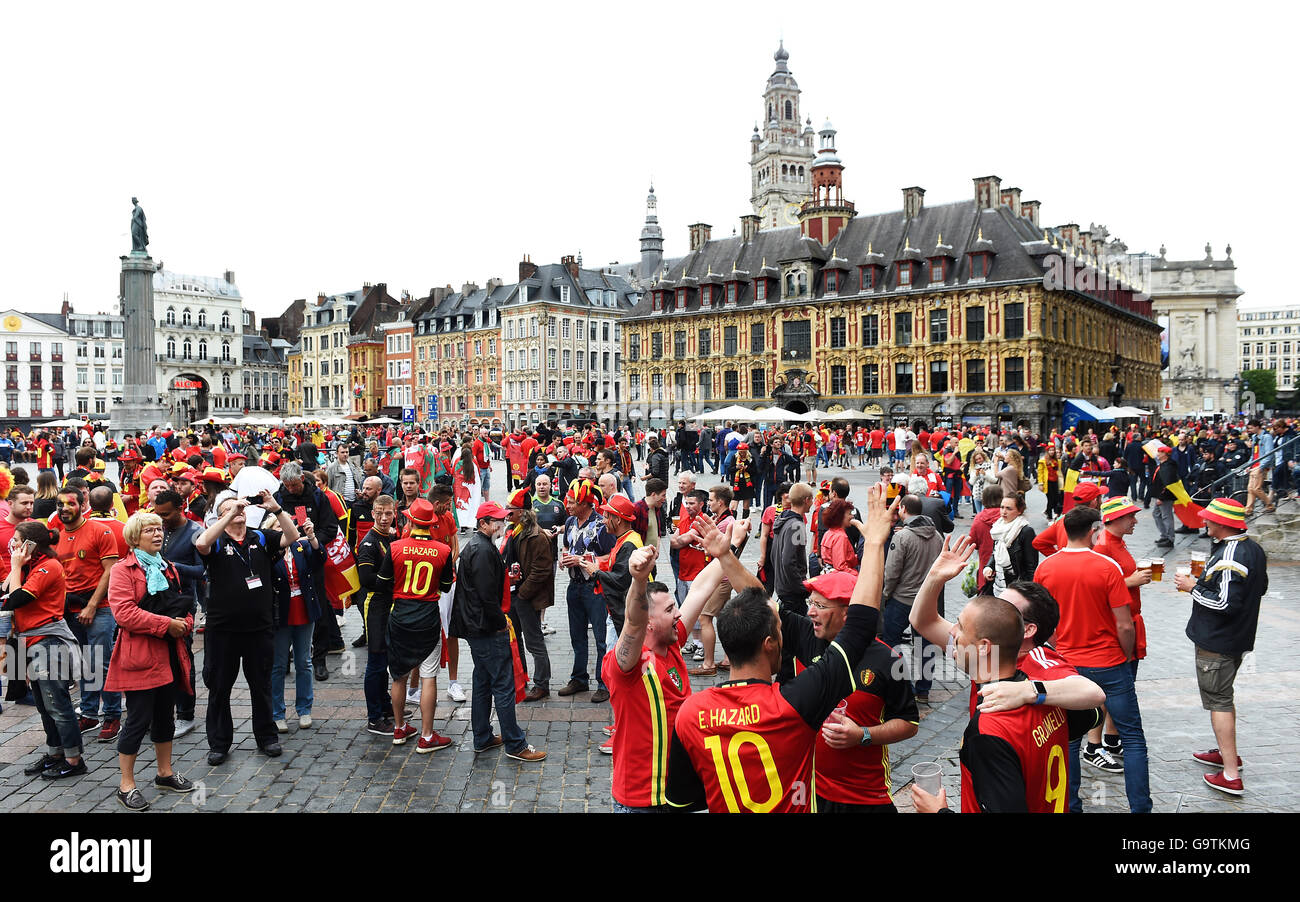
(232, 603)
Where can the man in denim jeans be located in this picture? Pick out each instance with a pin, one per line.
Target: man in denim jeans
(88, 552)
(584, 533)
(478, 618)
(1098, 637)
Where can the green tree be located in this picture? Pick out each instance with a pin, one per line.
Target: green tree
(1263, 383)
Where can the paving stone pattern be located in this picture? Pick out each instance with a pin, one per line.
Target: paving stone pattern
(336, 766)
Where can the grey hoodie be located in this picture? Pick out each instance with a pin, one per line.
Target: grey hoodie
(912, 551)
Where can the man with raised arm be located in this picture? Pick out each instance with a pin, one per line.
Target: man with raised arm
(646, 673)
(748, 744)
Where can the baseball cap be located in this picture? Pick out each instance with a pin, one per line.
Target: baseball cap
(1087, 491)
(837, 585)
(488, 510)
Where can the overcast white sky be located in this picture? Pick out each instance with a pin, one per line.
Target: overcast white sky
(313, 146)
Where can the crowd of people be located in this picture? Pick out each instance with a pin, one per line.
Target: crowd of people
(260, 539)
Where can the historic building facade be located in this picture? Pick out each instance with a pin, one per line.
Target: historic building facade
(781, 155)
(293, 357)
(1197, 301)
(264, 374)
(198, 344)
(961, 312)
(330, 328)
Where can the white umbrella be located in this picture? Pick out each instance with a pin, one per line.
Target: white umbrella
(775, 414)
(734, 412)
(381, 421)
(849, 414)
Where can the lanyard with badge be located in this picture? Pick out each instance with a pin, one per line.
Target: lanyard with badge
(295, 589)
(253, 580)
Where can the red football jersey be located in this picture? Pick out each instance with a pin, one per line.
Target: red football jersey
(416, 567)
(645, 701)
(752, 749)
(1015, 761)
(1041, 663)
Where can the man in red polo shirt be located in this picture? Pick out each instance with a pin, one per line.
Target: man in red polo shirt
(1097, 635)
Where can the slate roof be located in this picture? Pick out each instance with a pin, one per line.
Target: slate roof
(1016, 242)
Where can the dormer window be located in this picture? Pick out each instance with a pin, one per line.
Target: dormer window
(905, 274)
(706, 297)
(832, 281)
(657, 301)
(979, 265)
(937, 269)
(681, 298)
(870, 277)
(760, 291)
(731, 294)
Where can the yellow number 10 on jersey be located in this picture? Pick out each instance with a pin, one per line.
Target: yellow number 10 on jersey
(734, 745)
(419, 578)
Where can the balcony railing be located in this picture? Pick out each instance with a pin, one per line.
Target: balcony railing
(11, 355)
(35, 358)
(57, 358)
(56, 386)
(11, 384)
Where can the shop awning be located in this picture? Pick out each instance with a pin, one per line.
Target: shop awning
(1079, 411)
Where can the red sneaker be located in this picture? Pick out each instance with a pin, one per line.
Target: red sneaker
(607, 747)
(110, 730)
(608, 731)
(1223, 784)
(1213, 758)
(403, 733)
(432, 744)
(87, 724)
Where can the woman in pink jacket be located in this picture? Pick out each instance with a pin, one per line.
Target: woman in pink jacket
(149, 662)
(836, 550)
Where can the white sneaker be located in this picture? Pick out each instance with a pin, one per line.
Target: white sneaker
(282, 726)
(455, 693)
(547, 630)
(304, 722)
(413, 696)
(183, 727)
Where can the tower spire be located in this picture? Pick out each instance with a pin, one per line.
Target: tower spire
(652, 237)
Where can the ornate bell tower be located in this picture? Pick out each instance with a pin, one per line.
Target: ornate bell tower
(827, 212)
(781, 154)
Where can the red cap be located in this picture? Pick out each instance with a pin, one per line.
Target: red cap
(518, 500)
(836, 585)
(421, 512)
(1088, 491)
(236, 456)
(490, 510)
(743, 446)
(620, 506)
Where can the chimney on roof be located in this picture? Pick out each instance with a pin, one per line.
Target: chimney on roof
(230, 277)
(1011, 198)
(527, 268)
(66, 308)
(1029, 209)
(749, 225)
(493, 284)
(988, 192)
(1069, 233)
(1085, 239)
(365, 286)
(382, 286)
(700, 232)
(320, 298)
(439, 294)
(913, 198)
(569, 262)
(406, 296)
(468, 288)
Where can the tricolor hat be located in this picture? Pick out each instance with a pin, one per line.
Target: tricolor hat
(1225, 512)
(582, 491)
(1087, 491)
(214, 474)
(1117, 507)
(518, 500)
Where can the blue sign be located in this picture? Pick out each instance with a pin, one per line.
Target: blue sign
(433, 407)
(408, 414)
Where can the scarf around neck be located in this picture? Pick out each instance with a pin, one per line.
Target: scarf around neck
(154, 570)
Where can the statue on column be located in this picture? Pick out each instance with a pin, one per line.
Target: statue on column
(139, 231)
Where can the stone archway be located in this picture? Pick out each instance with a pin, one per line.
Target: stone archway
(796, 407)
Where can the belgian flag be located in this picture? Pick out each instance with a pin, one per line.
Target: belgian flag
(1187, 511)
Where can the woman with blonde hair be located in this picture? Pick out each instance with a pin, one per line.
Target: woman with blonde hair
(47, 495)
(1012, 475)
(149, 660)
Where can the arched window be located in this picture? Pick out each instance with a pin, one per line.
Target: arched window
(185, 317)
(225, 320)
(789, 284)
(803, 283)
(171, 346)
(225, 351)
(186, 350)
(203, 317)
(203, 350)
(800, 172)
(171, 316)
(770, 117)
(783, 169)
(225, 383)
(789, 110)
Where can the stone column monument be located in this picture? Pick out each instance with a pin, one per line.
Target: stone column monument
(139, 409)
